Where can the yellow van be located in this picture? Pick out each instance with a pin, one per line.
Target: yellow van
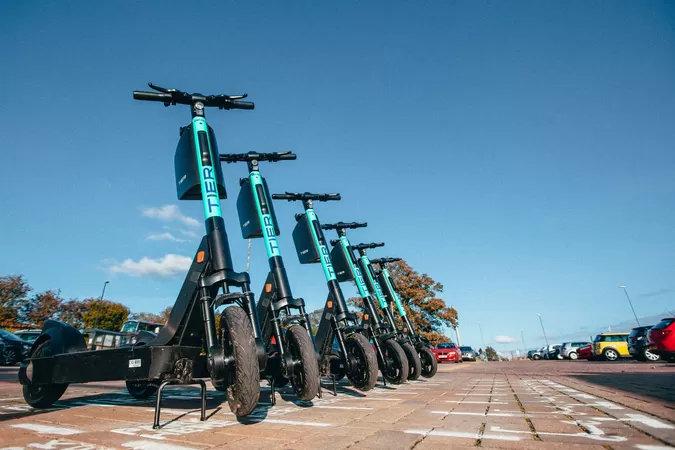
(611, 346)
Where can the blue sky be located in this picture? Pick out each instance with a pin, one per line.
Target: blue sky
(519, 153)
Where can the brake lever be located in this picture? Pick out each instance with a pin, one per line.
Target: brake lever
(161, 89)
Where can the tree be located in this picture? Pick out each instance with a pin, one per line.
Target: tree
(491, 354)
(166, 313)
(14, 291)
(43, 306)
(104, 314)
(428, 313)
(315, 319)
(72, 313)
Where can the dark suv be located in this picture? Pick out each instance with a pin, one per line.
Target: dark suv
(638, 344)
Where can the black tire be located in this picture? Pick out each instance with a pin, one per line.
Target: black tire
(332, 356)
(364, 360)
(44, 395)
(429, 363)
(395, 369)
(610, 354)
(414, 362)
(236, 335)
(10, 356)
(305, 378)
(536, 357)
(141, 389)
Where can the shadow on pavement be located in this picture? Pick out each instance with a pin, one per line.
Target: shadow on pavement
(659, 386)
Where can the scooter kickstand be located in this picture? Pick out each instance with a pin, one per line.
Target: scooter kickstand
(332, 376)
(384, 380)
(273, 395)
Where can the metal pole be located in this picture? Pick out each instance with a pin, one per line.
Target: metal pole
(459, 339)
(523, 338)
(544, 331)
(481, 336)
(102, 294)
(248, 257)
(630, 303)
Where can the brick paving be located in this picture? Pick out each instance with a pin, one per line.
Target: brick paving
(508, 405)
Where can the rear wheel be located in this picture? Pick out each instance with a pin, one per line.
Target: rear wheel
(10, 356)
(395, 367)
(243, 387)
(43, 395)
(649, 356)
(536, 357)
(364, 362)
(610, 354)
(429, 364)
(141, 389)
(305, 376)
(414, 363)
(573, 355)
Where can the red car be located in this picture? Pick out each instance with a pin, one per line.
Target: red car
(662, 339)
(585, 352)
(447, 352)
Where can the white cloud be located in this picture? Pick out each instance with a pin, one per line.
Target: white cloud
(165, 266)
(191, 234)
(505, 339)
(163, 237)
(169, 213)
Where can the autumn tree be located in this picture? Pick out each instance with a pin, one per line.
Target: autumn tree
(72, 313)
(165, 314)
(104, 314)
(14, 291)
(43, 306)
(428, 313)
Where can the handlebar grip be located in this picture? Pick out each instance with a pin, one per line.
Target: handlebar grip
(334, 242)
(152, 96)
(282, 197)
(377, 244)
(242, 105)
(333, 197)
(287, 156)
(359, 224)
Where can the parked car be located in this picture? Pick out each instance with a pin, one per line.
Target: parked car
(28, 335)
(611, 346)
(468, 353)
(638, 344)
(570, 350)
(552, 352)
(447, 352)
(537, 354)
(585, 351)
(14, 349)
(662, 339)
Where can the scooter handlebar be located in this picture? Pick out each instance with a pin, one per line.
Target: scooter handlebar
(251, 156)
(343, 225)
(291, 196)
(366, 246)
(384, 260)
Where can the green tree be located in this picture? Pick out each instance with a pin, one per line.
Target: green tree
(72, 313)
(43, 306)
(14, 291)
(491, 354)
(104, 314)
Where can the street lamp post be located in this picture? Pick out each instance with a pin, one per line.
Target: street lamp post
(523, 338)
(544, 331)
(481, 336)
(630, 303)
(102, 294)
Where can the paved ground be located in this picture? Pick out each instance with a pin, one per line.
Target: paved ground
(524, 404)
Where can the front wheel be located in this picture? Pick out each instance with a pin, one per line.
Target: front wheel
(536, 357)
(573, 356)
(363, 361)
(141, 389)
(305, 369)
(429, 363)
(415, 365)
(43, 395)
(649, 356)
(395, 365)
(236, 335)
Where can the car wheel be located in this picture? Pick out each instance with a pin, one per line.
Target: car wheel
(536, 357)
(10, 356)
(649, 356)
(573, 355)
(610, 354)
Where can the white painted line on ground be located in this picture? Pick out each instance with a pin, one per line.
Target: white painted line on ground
(46, 429)
(476, 403)
(481, 394)
(647, 421)
(341, 407)
(595, 433)
(149, 445)
(651, 447)
(380, 399)
(296, 422)
(106, 405)
(10, 399)
(461, 434)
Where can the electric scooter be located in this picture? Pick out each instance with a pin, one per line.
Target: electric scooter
(234, 353)
(357, 358)
(376, 291)
(285, 325)
(391, 358)
(391, 296)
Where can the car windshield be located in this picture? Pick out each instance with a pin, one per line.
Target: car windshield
(567, 344)
(665, 323)
(9, 336)
(448, 345)
(598, 338)
(466, 349)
